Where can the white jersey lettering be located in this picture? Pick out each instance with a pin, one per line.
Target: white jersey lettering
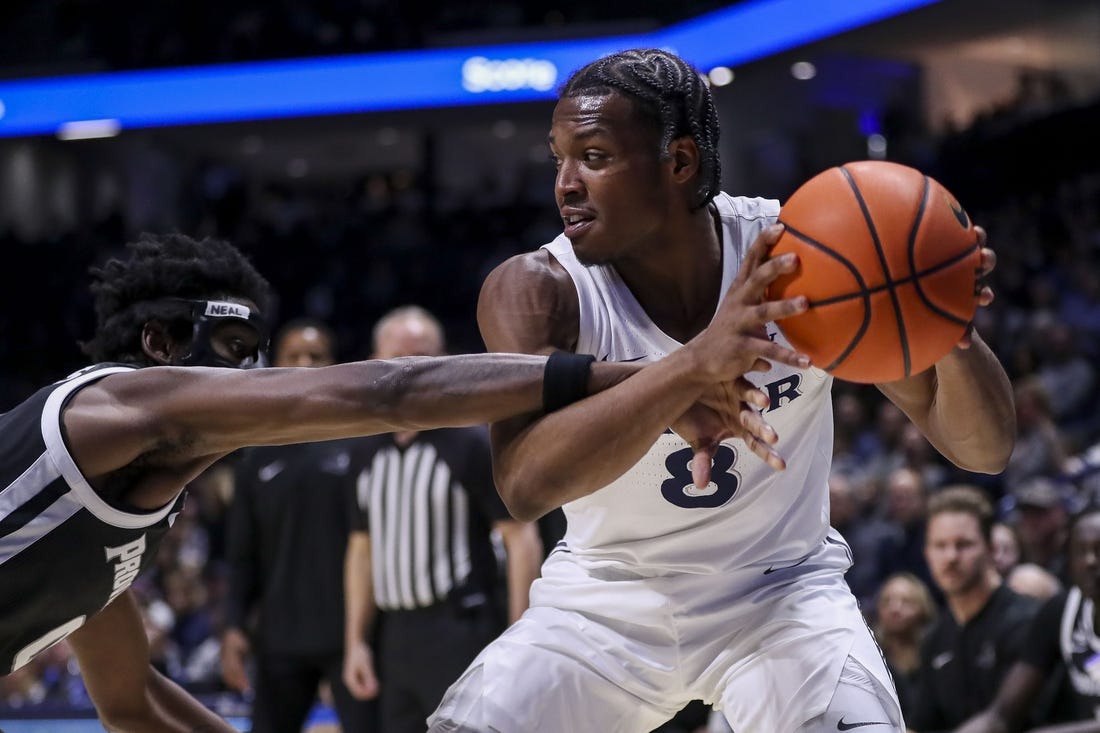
(651, 519)
(128, 565)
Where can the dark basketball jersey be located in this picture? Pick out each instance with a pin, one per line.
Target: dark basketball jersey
(64, 552)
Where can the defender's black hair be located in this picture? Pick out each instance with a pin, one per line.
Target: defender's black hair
(669, 93)
(131, 292)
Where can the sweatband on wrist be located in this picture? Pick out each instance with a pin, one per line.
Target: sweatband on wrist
(565, 379)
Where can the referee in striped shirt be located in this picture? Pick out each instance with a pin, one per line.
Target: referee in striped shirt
(421, 552)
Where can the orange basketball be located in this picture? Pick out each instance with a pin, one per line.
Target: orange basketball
(889, 262)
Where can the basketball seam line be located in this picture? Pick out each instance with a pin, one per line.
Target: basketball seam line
(913, 264)
(862, 286)
(865, 293)
(890, 286)
(911, 246)
(869, 291)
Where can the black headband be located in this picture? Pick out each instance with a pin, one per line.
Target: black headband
(205, 315)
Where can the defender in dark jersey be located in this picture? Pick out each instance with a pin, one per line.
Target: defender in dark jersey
(93, 468)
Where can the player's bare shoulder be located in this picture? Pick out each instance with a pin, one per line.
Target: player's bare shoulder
(134, 414)
(528, 303)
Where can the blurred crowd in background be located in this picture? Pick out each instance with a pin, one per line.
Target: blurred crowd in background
(87, 34)
(346, 257)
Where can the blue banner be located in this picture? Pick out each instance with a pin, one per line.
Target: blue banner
(407, 80)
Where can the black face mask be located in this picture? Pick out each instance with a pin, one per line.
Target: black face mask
(207, 316)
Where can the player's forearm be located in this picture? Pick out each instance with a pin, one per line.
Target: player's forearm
(419, 393)
(964, 406)
(579, 449)
(202, 413)
(422, 393)
(973, 410)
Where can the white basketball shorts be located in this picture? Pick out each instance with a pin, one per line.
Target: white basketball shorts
(606, 652)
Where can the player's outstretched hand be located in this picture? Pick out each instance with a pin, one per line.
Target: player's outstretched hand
(736, 341)
(985, 292)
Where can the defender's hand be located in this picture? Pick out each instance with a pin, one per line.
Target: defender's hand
(736, 341)
(729, 410)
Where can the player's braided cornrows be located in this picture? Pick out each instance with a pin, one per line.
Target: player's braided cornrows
(127, 291)
(668, 92)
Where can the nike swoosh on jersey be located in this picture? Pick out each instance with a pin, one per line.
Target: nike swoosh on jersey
(605, 357)
(774, 569)
(841, 725)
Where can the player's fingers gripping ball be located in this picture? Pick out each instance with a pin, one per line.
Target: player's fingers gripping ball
(890, 263)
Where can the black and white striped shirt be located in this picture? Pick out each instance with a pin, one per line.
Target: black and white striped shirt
(429, 508)
(65, 553)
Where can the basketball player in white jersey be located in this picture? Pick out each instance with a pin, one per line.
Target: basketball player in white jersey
(94, 468)
(662, 592)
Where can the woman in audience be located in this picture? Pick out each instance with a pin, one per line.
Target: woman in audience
(1006, 547)
(904, 610)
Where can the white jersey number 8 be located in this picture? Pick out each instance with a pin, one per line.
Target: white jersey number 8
(681, 491)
